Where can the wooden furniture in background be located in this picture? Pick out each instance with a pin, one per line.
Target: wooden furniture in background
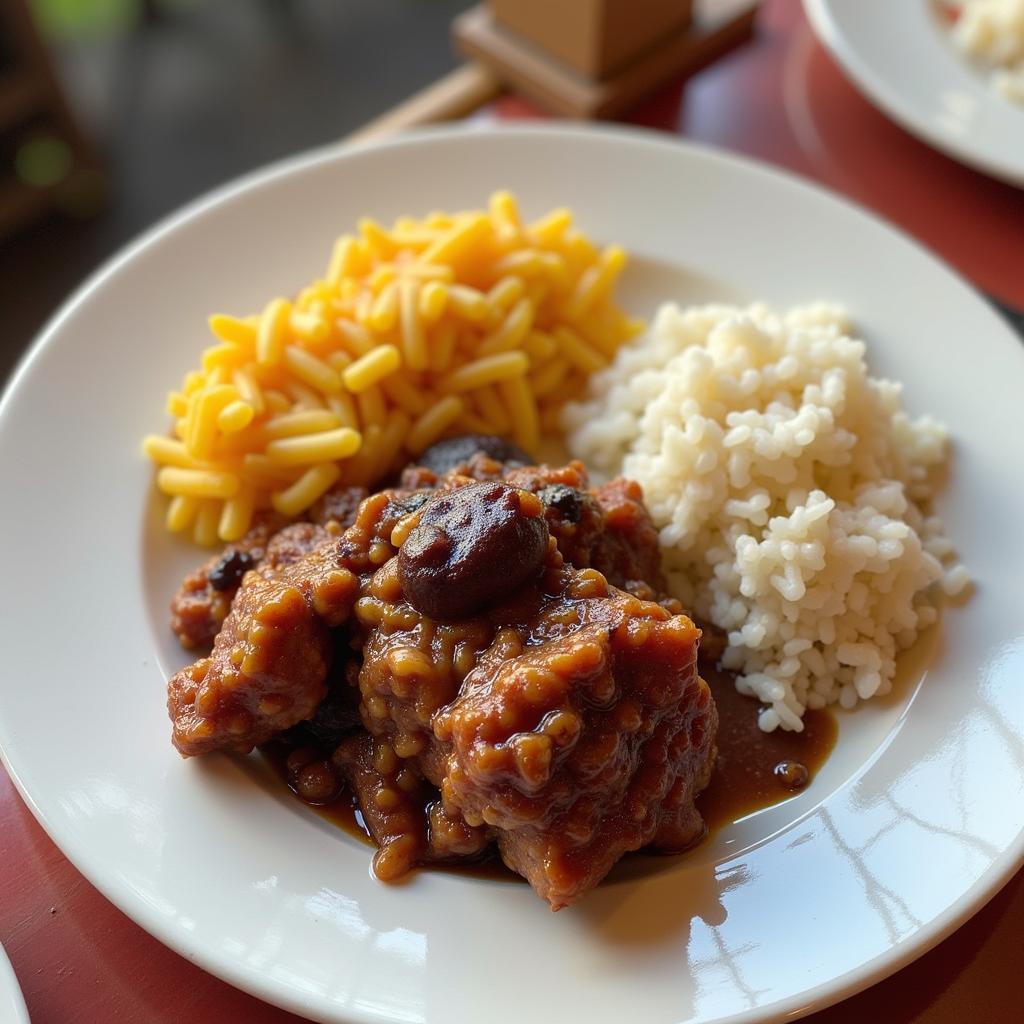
(557, 80)
(597, 58)
(595, 37)
(46, 162)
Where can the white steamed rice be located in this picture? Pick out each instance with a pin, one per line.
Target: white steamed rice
(790, 490)
(991, 32)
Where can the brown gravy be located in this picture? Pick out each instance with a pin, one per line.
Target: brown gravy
(744, 779)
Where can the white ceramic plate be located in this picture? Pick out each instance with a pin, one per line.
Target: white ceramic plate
(12, 1006)
(899, 54)
(911, 825)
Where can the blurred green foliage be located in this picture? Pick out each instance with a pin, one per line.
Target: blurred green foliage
(64, 19)
(43, 161)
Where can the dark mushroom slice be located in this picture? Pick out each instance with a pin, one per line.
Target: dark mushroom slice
(471, 547)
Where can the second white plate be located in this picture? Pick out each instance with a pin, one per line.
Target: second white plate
(900, 55)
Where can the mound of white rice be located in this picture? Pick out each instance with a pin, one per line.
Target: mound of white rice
(991, 32)
(790, 490)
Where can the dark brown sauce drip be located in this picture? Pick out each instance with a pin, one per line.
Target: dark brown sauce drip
(746, 778)
(343, 811)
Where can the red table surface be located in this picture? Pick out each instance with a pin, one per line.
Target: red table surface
(781, 99)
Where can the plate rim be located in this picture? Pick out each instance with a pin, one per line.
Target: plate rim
(877, 90)
(823, 995)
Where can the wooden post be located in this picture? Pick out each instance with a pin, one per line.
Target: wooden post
(596, 37)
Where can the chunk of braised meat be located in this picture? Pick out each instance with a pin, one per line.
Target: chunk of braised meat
(453, 454)
(605, 528)
(583, 748)
(562, 717)
(570, 721)
(478, 467)
(627, 549)
(293, 542)
(402, 811)
(470, 547)
(269, 663)
(340, 505)
(337, 715)
(391, 798)
(204, 597)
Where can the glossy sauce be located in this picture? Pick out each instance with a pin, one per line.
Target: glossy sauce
(745, 778)
(344, 812)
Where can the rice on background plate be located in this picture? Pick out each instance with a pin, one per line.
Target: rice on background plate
(991, 33)
(791, 492)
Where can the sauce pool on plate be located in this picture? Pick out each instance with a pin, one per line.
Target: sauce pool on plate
(756, 769)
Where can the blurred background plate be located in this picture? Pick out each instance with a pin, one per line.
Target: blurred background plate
(900, 55)
(782, 913)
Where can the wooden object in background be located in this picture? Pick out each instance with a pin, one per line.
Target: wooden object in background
(595, 37)
(33, 110)
(717, 26)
